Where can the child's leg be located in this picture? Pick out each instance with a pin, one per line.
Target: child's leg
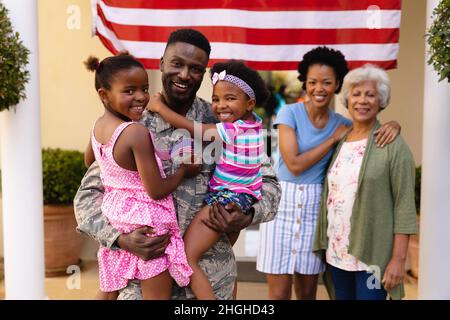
(197, 240)
(106, 295)
(158, 287)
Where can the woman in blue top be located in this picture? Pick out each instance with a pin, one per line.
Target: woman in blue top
(308, 134)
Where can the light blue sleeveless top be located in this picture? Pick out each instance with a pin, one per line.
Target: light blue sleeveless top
(308, 137)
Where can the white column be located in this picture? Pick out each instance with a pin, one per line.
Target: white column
(23, 227)
(434, 278)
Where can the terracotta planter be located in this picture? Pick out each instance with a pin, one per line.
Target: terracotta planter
(62, 243)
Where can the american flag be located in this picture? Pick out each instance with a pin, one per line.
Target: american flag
(267, 34)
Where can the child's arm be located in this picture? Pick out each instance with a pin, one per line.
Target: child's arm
(156, 104)
(89, 157)
(138, 138)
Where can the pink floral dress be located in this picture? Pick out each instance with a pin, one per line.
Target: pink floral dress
(127, 206)
(343, 184)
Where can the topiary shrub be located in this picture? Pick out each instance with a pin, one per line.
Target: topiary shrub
(62, 171)
(438, 38)
(13, 62)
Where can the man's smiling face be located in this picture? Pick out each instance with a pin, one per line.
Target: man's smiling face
(183, 66)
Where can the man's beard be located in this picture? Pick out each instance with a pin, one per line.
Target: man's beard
(177, 101)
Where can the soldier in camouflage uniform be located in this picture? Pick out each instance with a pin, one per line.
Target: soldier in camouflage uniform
(183, 66)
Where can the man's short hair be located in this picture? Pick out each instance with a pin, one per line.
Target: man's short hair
(190, 36)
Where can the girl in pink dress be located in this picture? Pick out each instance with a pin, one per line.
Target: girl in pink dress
(137, 193)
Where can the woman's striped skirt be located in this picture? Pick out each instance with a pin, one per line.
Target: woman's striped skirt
(286, 242)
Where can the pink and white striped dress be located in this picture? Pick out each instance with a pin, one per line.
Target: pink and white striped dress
(127, 206)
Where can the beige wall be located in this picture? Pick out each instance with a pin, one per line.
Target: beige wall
(407, 80)
(70, 105)
(68, 98)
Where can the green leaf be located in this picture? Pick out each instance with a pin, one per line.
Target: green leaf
(62, 171)
(438, 39)
(13, 62)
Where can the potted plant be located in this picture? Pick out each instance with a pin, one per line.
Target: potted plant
(13, 73)
(13, 62)
(438, 39)
(62, 172)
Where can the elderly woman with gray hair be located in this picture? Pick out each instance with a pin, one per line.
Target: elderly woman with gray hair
(368, 209)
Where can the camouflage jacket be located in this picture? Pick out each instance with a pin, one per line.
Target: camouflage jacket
(219, 262)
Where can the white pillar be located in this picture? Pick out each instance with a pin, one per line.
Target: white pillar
(434, 278)
(23, 226)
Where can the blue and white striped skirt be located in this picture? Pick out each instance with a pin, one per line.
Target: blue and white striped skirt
(286, 242)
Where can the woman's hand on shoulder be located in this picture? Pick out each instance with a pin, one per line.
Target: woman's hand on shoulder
(387, 133)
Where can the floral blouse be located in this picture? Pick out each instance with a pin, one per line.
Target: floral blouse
(342, 184)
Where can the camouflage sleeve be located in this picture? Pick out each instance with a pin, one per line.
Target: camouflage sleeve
(87, 206)
(266, 209)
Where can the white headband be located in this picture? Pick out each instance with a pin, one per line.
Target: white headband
(241, 84)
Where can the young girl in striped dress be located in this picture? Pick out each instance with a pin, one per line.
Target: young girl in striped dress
(237, 89)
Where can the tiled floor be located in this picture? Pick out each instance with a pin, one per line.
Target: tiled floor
(84, 286)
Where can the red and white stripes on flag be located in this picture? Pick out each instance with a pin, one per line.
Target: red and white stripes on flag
(268, 34)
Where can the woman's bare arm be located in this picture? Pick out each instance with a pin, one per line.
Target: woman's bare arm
(395, 270)
(297, 162)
